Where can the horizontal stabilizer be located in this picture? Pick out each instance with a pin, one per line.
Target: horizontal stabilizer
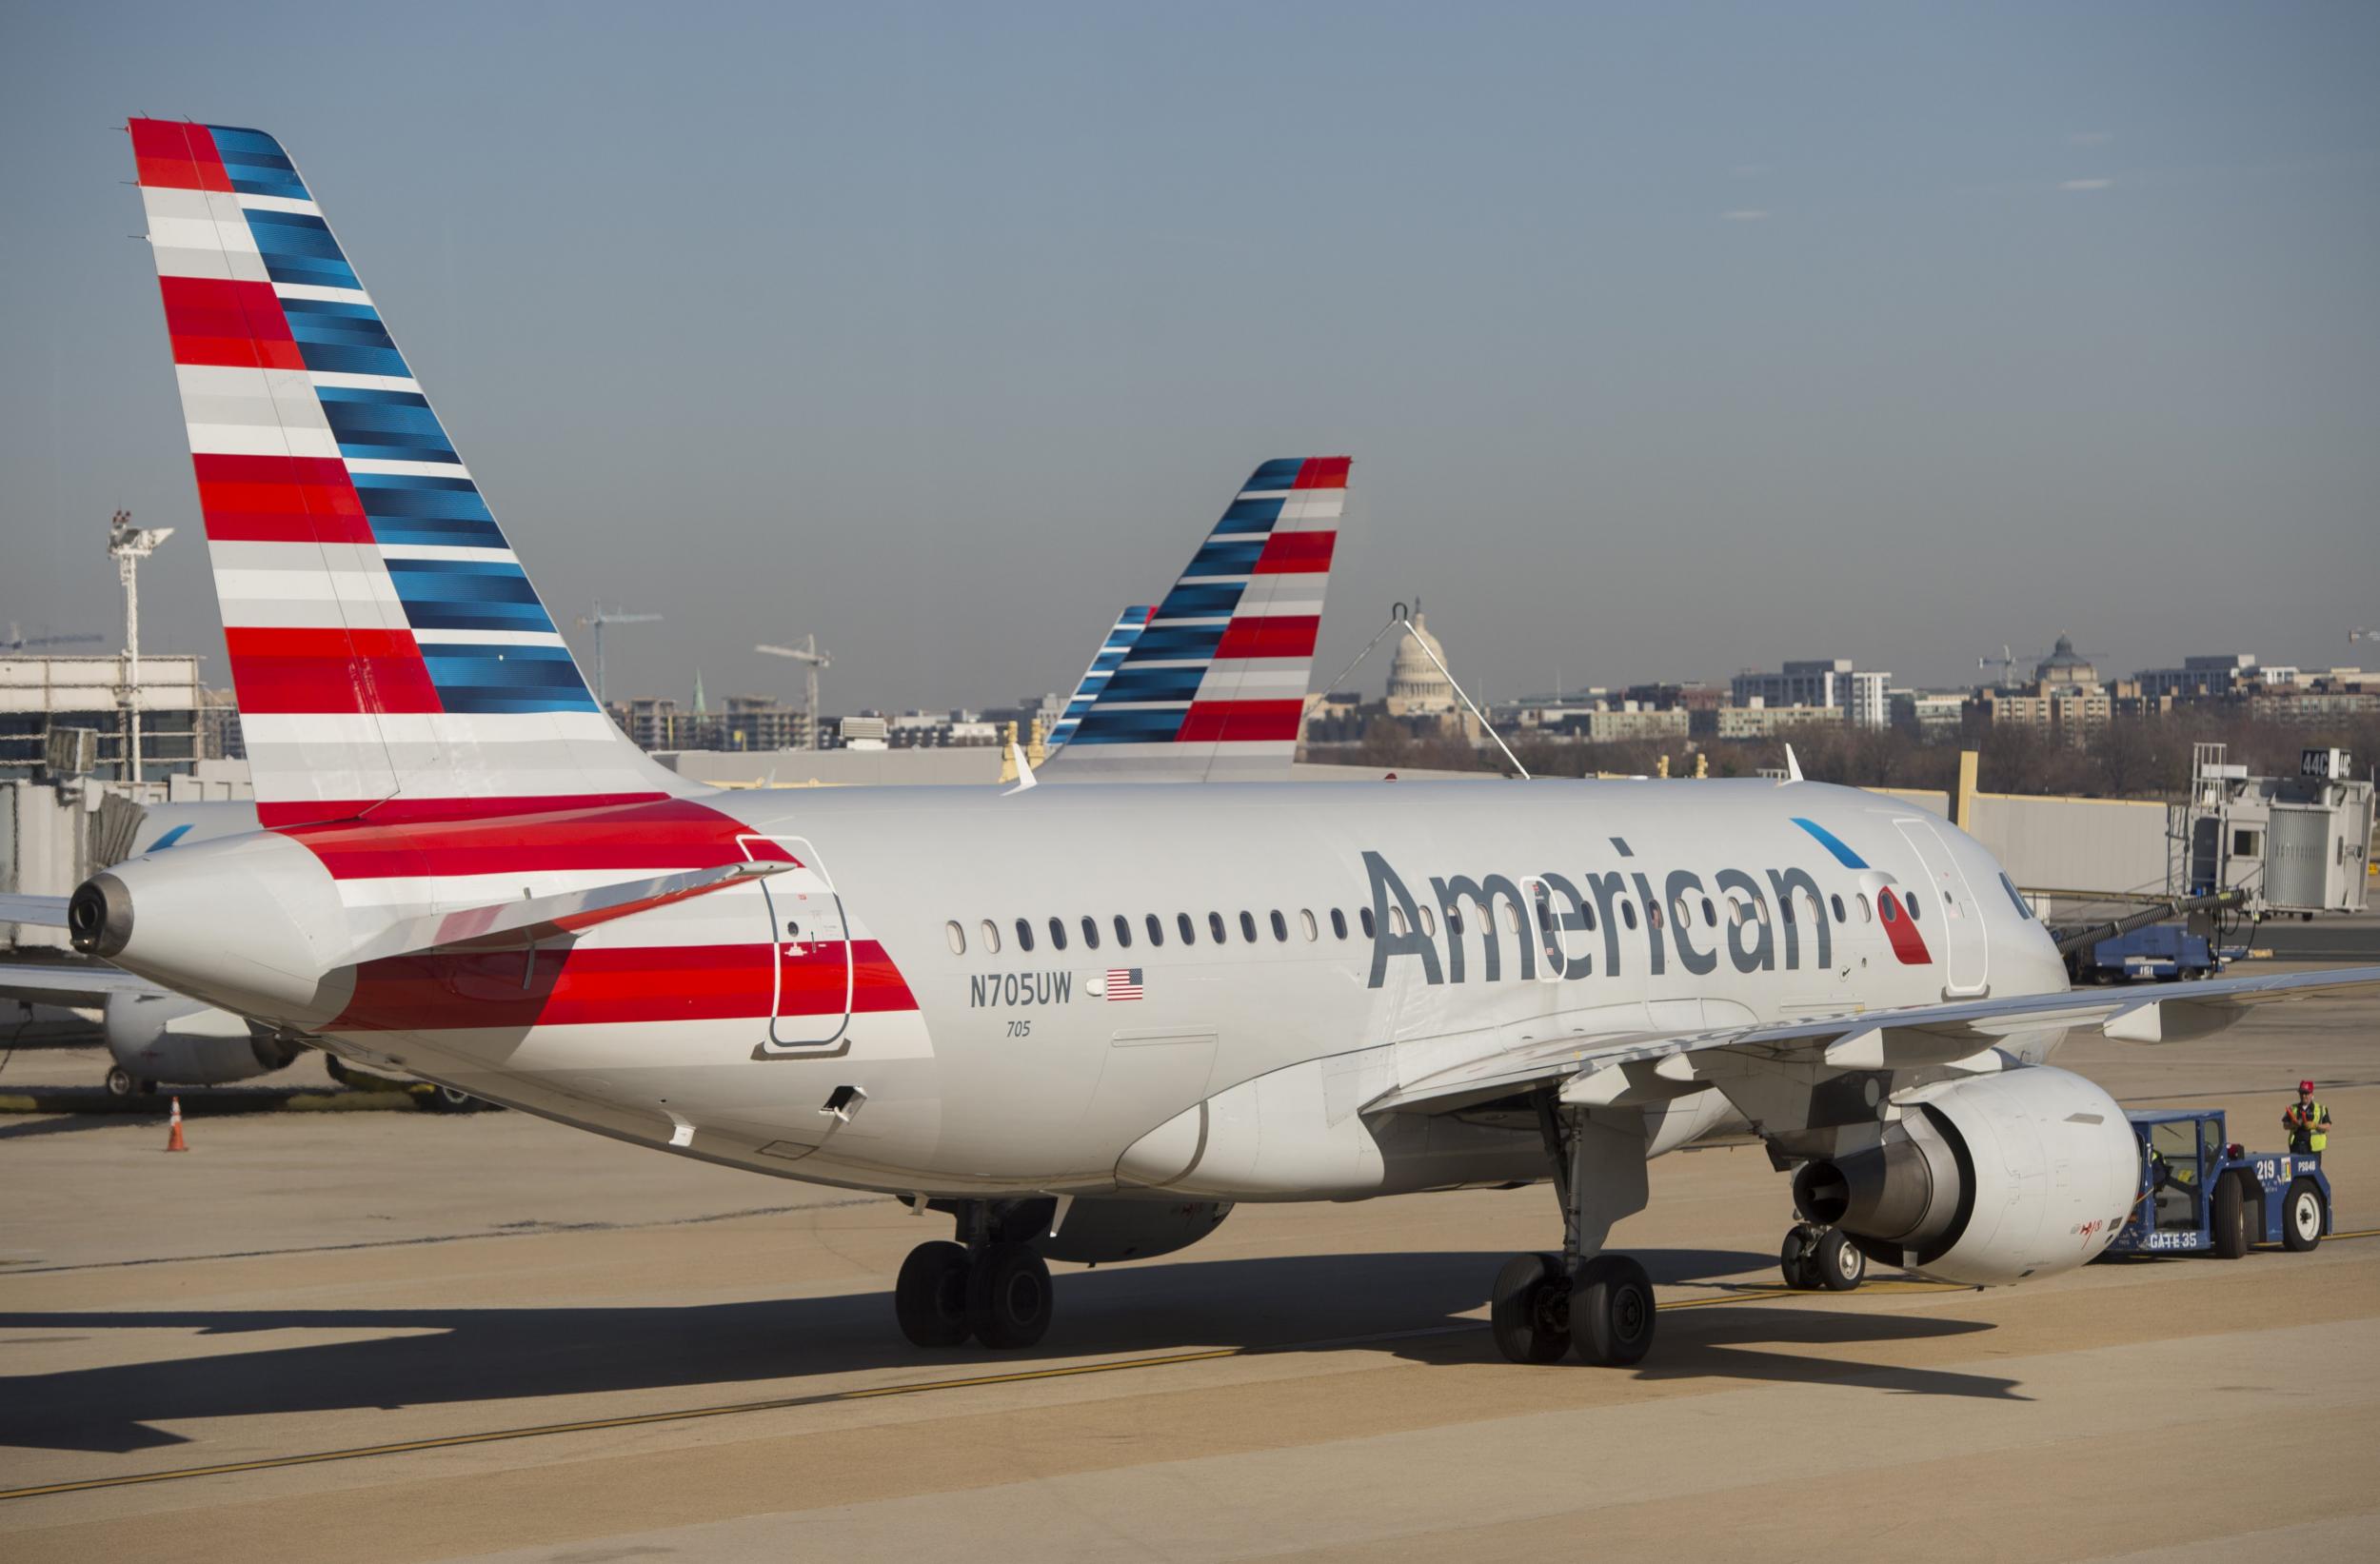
(532, 919)
(46, 912)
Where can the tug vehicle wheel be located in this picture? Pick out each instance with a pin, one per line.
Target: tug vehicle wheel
(2301, 1217)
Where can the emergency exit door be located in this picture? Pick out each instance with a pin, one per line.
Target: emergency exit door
(810, 960)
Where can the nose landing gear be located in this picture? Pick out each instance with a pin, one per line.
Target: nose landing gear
(1815, 1258)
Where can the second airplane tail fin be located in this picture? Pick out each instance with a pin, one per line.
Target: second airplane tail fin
(1212, 686)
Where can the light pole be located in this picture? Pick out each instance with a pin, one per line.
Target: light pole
(128, 545)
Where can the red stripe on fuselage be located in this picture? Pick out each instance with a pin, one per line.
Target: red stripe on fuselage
(1270, 635)
(601, 986)
(279, 499)
(1295, 553)
(661, 834)
(326, 671)
(1245, 721)
(177, 157)
(1907, 945)
(213, 320)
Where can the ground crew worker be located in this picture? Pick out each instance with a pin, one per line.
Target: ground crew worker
(2307, 1122)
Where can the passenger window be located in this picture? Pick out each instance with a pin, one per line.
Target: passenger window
(1685, 914)
(1156, 926)
(1024, 934)
(1911, 902)
(1396, 921)
(1587, 909)
(1188, 930)
(1512, 919)
(991, 937)
(1281, 927)
(1653, 915)
(1247, 926)
(1339, 924)
(1840, 916)
(1056, 934)
(1090, 932)
(1884, 900)
(1866, 915)
(1215, 927)
(1124, 932)
(958, 938)
(1305, 921)
(1363, 916)
(1760, 908)
(1628, 912)
(1710, 914)
(1785, 908)
(1429, 921)
(1454, 920)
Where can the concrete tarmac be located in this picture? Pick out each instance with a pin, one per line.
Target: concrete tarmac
(395, 1337)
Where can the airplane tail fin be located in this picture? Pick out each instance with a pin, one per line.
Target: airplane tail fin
(388, 651)
(1110, 656)
(1213, 686)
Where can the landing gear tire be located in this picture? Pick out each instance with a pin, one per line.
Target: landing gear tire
(448, 1099)
(1793, 1256)
(121, 1085)
(1008, 1296)
(1611, 1312)
(930, 1297)
(1530, 1310)
(1837, 1266)
(2301, 1217)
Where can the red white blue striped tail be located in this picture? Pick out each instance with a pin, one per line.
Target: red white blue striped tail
(1213, 685)
(1110, 657)
(385, 641)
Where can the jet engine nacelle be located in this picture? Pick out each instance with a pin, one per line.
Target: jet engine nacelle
(1099, 1232)
(177, 1042)
(1986, 1180)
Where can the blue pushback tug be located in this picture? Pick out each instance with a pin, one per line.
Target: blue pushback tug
(2201, 1195)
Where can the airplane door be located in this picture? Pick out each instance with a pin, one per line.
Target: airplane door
(1961, 926)
(810, 948)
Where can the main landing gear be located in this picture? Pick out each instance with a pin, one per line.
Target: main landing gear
(1582, 1301)
(992, 1287)
(1815, 1258)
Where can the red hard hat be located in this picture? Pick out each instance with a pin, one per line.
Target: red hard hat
(2305, 1085)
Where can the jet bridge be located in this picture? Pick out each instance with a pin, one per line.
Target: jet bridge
(2290, 846)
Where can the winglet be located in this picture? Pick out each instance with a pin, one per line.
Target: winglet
(1024, 770)
(1792, 766)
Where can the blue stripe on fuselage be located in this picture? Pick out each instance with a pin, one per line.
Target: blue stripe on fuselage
(1832, 843)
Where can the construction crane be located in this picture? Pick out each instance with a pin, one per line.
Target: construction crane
(18, 640)
(2006, 663)
(811, 660)
(595, 618)
(128, 545)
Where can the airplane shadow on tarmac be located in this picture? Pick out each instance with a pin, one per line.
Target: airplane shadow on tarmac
(492, 1356)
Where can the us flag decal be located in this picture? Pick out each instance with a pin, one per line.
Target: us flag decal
(1123, 982)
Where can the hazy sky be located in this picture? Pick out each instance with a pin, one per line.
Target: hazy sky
(1667, 340)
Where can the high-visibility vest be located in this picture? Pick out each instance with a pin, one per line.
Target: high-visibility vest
(2307, 1122)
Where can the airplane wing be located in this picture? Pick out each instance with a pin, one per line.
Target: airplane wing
(1213, 686)
(1599, 1069)
(42, 911)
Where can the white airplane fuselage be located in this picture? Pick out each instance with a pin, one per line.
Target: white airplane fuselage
(1008, 1068)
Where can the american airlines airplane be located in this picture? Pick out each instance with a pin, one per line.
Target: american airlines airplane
(1084, 1020)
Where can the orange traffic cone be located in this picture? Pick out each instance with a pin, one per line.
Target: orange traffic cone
(174, 1139)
